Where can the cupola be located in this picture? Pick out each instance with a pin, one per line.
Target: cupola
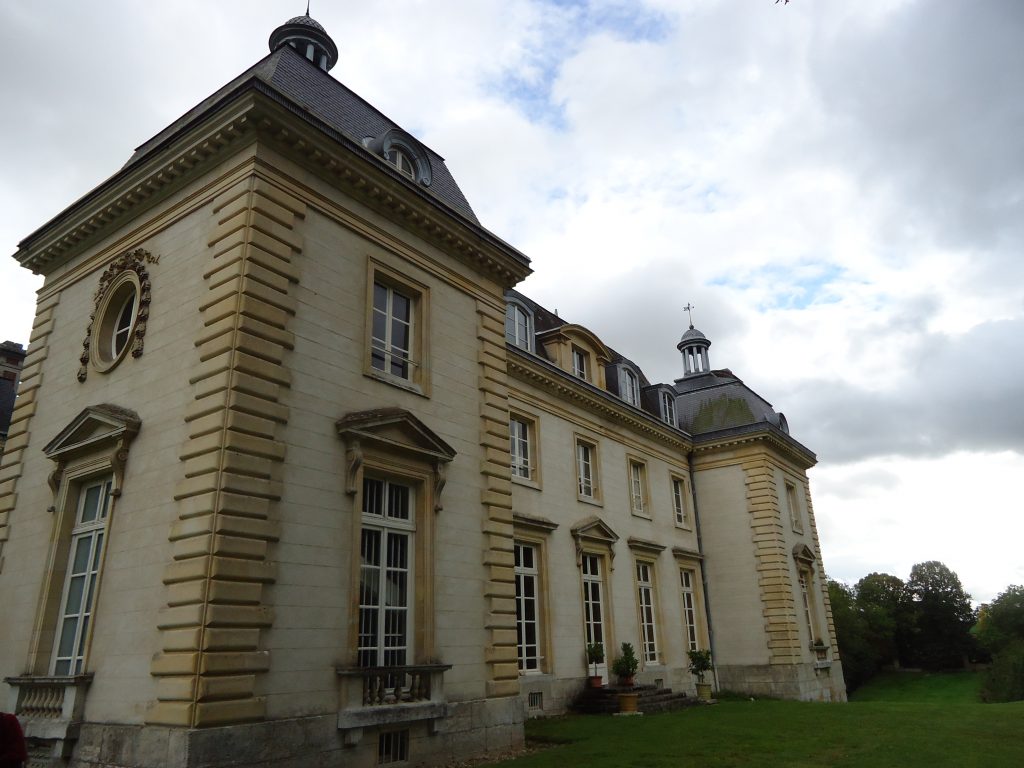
(308, 38)
(694, 348)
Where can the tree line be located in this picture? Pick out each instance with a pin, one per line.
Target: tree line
(927, 622)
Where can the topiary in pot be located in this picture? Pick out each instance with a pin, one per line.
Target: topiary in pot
(700, 662)
(626, 665)
(595, 656)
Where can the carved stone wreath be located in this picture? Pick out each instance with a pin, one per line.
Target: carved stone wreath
(133, 261)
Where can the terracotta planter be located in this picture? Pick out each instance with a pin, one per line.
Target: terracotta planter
(627, 682)
(594, 681)
(627, 702)
(704, 691)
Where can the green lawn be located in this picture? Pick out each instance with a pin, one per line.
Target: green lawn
(921, 687)
(918, 722)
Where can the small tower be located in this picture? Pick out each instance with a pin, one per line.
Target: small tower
(305, 35)
(694, 348)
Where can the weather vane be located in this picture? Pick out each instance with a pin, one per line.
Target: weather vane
(689, 311)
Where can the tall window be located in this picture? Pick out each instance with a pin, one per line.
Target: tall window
(580, 368)
(645, 599)
(686, 578)
(805, 597)
(519, 447)
(517, 326)
(392, 332)
(679, 502)
(385, 574)
(792, 501)
(593, 607)
(527, 607)
(630, 387)
(586, 472)
(637, 487)
(668, 408)
(79, 594)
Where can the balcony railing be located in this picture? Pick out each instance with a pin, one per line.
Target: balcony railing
(50, 708)
(376, 696)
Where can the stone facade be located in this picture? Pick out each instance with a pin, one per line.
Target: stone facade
(191, 527)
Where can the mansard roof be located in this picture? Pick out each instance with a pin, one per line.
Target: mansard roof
(318, 95)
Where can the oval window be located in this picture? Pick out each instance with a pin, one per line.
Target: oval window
(115, 322)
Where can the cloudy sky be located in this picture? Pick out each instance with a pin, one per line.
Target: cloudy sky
(838, 188)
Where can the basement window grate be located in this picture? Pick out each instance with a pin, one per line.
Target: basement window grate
(393, 747)
(535, 700)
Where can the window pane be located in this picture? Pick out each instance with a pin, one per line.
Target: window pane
(67, 637)
(90, 504)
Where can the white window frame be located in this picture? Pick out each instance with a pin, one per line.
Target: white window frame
(383, 347)
(629, 386)
(586, 470)
(804, 581)
(687, 577)
(668, 408)
(390, 528)
(518, 326)
(520, 448)
(680, 502)
(78, 619)
(648, 612)
(402, 162)
(595, 618)
(527, 573)
(638, 492)
(580, 363)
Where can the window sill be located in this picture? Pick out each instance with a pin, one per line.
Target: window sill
(527, 482)
(395, 381)
(595, 501)
(641, 514)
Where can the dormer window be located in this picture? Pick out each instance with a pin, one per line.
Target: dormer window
(668, 408)
(629, 387)
(402, 162)
(518, 327)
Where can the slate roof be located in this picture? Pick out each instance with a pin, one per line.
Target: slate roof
(720, 400)
(320, 96)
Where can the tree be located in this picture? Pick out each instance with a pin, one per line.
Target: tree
(860, 661)
(885, 603)
(1002, 621)
(942, 616)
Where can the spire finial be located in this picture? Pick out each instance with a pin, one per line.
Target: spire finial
(689, 311)
(307, 8)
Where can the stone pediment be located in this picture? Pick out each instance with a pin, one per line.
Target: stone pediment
(394, 429)
(804, 554)
(593, 533)
(95, 426)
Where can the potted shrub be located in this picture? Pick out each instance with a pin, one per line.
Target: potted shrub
(626, 665)
(700, 662)
(595, 656)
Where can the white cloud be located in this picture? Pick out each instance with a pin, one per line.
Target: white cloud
(838, 188)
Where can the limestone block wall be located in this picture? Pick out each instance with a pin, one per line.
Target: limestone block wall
(230, 464)
(736, 609)
(557, 420)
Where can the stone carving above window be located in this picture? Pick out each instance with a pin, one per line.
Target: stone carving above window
(120, 313)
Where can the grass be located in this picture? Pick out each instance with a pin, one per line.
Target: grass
(932, 720)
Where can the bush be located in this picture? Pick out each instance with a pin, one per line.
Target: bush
(1004, 680)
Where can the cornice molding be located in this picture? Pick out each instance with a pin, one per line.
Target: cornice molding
(558, 382)
(789, 449)
(255, 112)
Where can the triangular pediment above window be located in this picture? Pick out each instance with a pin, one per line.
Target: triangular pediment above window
(804, 554)
(395, 429)
(96, 426)
(596, 530)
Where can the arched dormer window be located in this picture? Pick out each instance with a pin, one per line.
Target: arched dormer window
(629, 386)
(403, 152)
(518, 326)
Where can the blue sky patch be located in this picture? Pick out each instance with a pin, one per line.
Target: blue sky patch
(790, 287)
